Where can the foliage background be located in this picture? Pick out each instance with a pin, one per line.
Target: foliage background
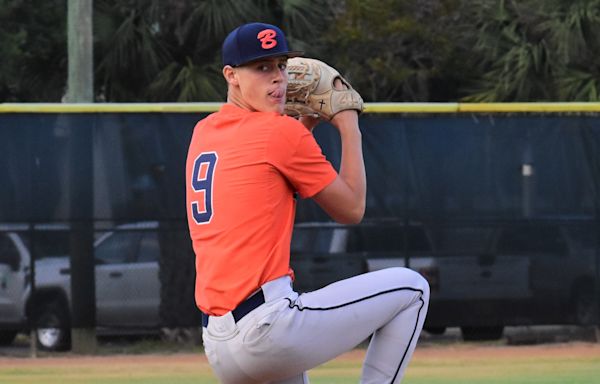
(390, 50)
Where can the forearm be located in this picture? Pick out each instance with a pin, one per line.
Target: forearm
(352, 168)
(345, 199)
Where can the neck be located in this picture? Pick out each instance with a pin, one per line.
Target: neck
(238, 102)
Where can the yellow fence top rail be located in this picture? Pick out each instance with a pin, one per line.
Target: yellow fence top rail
(108, 107)
(426, 108)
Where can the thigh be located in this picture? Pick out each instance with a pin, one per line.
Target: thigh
(287, 337)
(322, 324)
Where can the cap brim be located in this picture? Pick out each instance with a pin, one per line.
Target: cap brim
(286, 54)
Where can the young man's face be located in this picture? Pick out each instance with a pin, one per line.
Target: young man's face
(261, 85)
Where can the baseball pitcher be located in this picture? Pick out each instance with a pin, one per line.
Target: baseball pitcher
(245, 165)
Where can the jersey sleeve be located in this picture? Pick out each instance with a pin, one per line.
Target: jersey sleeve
(296, 154)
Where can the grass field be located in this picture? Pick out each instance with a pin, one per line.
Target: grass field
(571, 363)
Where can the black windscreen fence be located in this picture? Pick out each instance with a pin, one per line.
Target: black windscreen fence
(500, 212)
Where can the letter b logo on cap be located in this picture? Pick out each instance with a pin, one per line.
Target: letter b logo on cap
(267, 38)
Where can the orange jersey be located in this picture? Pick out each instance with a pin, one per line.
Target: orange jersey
(242, 171)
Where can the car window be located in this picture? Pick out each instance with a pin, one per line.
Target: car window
(312, 240)
(149, 250)
(373, 239)
(118, 248)
(339, 240)
(417, 239)
(462, 239)
(8, 251)
(532, 240)
(300, 240)
(51, 243)
(359, 239)
(388, 239)
(586, 237)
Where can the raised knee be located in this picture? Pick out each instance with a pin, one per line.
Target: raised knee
(410, 277)
(416, 281)
(424, 284)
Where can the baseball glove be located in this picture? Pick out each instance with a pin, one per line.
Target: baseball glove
(311, 90)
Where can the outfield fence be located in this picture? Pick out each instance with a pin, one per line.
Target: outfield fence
(498, 205)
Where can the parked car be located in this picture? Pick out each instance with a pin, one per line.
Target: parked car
(534, 272)
(322, 253)
(563, 268)
(14, 269)
(18, 243)
(127, 281)
(127, 284)
(319, 256)
(483, 276)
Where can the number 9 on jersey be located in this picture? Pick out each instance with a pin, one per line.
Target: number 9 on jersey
(202, 185)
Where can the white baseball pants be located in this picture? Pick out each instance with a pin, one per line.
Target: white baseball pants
(290, 333)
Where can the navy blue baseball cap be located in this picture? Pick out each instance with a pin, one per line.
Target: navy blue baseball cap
(254, 41)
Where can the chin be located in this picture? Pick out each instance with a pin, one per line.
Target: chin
(271, 107)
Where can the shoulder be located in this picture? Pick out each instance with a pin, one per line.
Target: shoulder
(206, 119)
(286, 128)
(289, 139)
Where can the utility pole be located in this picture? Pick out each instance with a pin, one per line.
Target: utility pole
(80, 89)
(80, 82)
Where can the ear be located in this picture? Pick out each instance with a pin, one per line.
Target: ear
(230, 75)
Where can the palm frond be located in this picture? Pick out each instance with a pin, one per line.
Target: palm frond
(212, 20)
(577, 85)
(186, 83)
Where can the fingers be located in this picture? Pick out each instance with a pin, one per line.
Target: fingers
(339, 84)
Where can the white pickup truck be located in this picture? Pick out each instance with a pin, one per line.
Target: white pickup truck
(127, 282)
(17, 308)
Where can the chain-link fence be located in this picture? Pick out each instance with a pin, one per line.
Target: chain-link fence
(499, 212)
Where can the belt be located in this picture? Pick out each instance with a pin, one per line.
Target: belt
(244, 308)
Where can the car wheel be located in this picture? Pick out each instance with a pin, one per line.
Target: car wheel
(586, 308)
(482, 333)
(53, 332)
(7, 337)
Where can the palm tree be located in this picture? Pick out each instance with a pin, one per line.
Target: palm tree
(34, 50)
(535, 50)
(574, 28)
(129, 49)
(174, 46)
(393, 50)
(516, 58)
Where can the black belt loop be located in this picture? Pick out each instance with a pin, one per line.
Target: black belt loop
(242, 309)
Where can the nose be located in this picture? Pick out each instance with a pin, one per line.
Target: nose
(280, 76)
